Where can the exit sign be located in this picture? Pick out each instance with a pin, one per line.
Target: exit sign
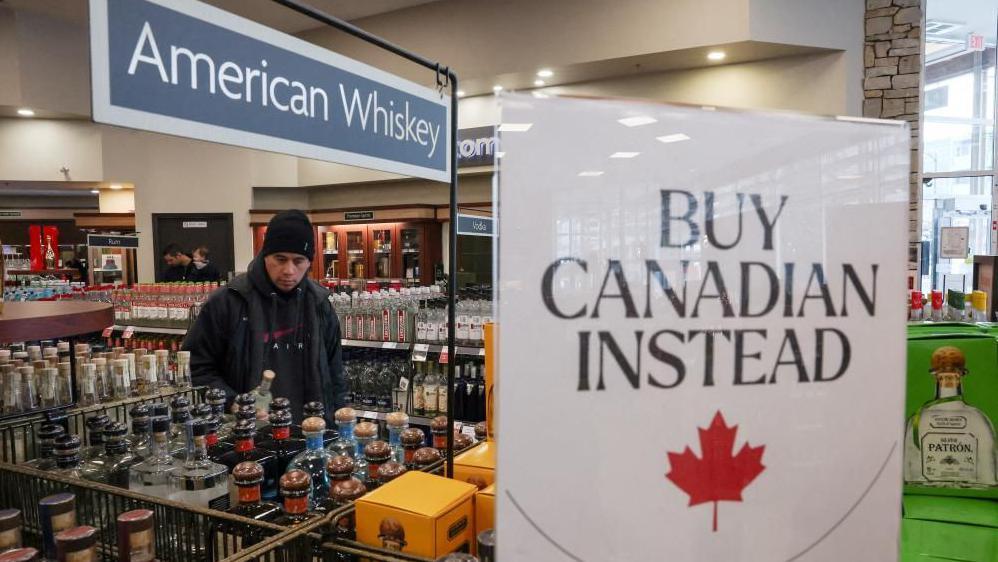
(975, 42)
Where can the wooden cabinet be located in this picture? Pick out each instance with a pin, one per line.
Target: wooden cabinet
(379, 251)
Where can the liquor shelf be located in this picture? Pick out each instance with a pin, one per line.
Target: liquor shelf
(151, 330)
(38, 320)
(376, 344)
(459, 349)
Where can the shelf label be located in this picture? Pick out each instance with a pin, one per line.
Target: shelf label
(468, 430)
(195, 224)
(419, 352)
(358, 215)
(444, 358)
(107, 332)
(403, 383)
(129, 330)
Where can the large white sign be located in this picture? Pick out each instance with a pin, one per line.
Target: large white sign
(702, 341)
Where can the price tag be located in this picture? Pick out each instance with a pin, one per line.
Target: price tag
(388, 345)
(107, 332)
(481, 352)
(128, 332)
(468, 430)
(443, 356)
(404, 383)
(419, 352)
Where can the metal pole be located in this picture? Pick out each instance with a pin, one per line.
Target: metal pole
(452, 277)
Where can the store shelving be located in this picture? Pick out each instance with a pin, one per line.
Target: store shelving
(150, 330)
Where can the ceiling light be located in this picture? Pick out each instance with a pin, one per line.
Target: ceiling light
(678, 137)
(500, 154)
(497, 88)
(708, 108)
(590, 174)
(95, 191)
(515, 127)
(716, 55)
(460, 93)
(25, 112)
(545, 73)
(637, 121)
(624, 154)
(538, 83)
(541, 95)
(115, 186)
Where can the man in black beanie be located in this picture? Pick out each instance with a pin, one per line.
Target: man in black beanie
(273, 318)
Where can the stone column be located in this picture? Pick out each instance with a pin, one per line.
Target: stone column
(892, 87)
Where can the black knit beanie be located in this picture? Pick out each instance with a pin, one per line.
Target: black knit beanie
(289, 231)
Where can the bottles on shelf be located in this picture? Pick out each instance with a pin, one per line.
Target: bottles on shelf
(199, 481)
(245, 450)
(167, 305)
(314, 458)
(248, 476)
(296, 485)
(152, 475)
(57, 513)
(953, 306)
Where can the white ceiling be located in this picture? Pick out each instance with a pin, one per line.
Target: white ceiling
(263, 11)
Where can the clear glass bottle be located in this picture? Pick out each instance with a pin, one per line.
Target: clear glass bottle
(29, 397)
(314, 409)
(261, 394)
(47, 435)
(12, 393)
(183, 375)
(949, 443)
(296, 485)
(56, 513)
(95, 436)
(346, 420)
(120, 386)
(199, 481)
(164, 374)
(314, 458)
(48, 393)
(363, 434)
(179, 442)
(114, 465)
(102, 381)
(64, 391)
(397, 422)
(215, 397)
(146, 383)
(136, 537)
(248, 476)
(152, 475)
(67, 456)
(138, 441)
(430, 392)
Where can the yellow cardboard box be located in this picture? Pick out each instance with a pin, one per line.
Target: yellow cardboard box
(418, 513)
(485, 509)
(477, 465)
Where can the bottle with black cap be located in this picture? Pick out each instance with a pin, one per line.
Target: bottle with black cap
(113, 466)
(47, 435)
(280, 443)
(178, 432)
(216, 447)
(95, 436)
(215, 398)
(138, 441)
(199, 481)
(276, 405)
(152, 475)
(67, 456)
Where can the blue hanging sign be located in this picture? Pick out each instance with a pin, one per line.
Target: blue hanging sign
(473, 225)
(185, 68)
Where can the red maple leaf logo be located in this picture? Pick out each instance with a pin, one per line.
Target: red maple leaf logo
(717, 476)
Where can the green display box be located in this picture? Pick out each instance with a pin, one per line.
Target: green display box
(979, 386)
(937, 528)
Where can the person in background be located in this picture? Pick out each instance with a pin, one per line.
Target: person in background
(273, 317)
(204, 270)
(179, 265)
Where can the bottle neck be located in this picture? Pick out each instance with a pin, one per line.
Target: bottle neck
(313, 441)
(249, 494)
(115, 447)
(361, 443)
(281, 433)
(140, 426)
(395, 436)
(245, 444)
(346, 430)
(197, 449)
(948, 391)
(158, 447)
(96, 438)
(295, 505)
(68, 461)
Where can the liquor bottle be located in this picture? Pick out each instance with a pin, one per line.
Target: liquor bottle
(199, 481)
(261, 394)
(979, 304)
(314, 458)
(276, 405)
(64, 390)
(136, 538)
(48, 391)
(462, 441)
(49, 253)
(114, 465)
(245, 450)
(67, 456)
(280, 443)
(412, 440)
(481, 431)
(57, 513)
(363, 434)
(152, 475)
(248, 476)
(164, 374)
(141, 435)
(121, 385)
(179, 443)
(376, 453)
(937, 306)
(215, 397)
(12, 393)
(479, 395)
(183, 374)
(315, 409)
(390, 471)
(460, 393)
(216, 447)
(10, 529)
(296, 485)
(146, 384)
(77, 544)
(29, 397)
(950, 443)
(430, 393)
(27, 554)
(346, 420)
(342, 494)
(915, 306)
(418, 391)
(102, 379)
(201, 411)
(438, 427)
(95, 436)
(423, 458)
(47, 435)
(397, 422)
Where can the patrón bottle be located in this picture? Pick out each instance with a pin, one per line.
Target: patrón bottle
(949, 443)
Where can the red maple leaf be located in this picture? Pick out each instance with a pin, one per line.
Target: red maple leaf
(717, 476)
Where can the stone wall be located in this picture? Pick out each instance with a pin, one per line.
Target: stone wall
(892, 82)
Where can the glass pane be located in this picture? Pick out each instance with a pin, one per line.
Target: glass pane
(411, 252)
(382, 243)
(330, 253)
(959, 96)
(954, 202)
(355, 255)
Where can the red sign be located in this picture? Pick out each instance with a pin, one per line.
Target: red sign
(975, 42)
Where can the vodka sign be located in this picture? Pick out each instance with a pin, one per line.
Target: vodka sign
(701, 338)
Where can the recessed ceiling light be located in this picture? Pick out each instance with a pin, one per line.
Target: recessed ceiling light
(678, 137)
(637, 121)
(515, 127)
(545, 73)
(460, 93)
(25, 112)
(497, 88)
(538, 83)
(115, 186)
(590, 174)
(95, 191)
(716, 55)
(624, 154)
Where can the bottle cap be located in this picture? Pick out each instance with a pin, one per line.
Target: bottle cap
(313, 409)
(280, 418)
(199, 427)
(366, 430)
(137, 519)
(281, 403)
(344, 415)
(313, 425)
(390, 471)
(462, 441)
(948, 358)
(183, 356)
(248, 473)
(161, 353)
(269, 375)
(139, 411)
(115, 429)
(244, 428)
(397, 419)
(66, 445)
(377, 451)
(295, 483)
(9, 519)
(425, 456)
(246, 412)
(481, 430)
(411, 437)
(27, 554)
(201, 410)
(340, 465)
(180, 402)
(100, 361)
(245, 399)
(75, 539)
(181, 415)
(97, 423)
(347, 490)
(212, 424)
(214, 396)
(160, 424)
(51, 431)
(160, 409)
(438, 424)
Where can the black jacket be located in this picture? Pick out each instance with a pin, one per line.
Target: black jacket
(207, 274)
(226, 341)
